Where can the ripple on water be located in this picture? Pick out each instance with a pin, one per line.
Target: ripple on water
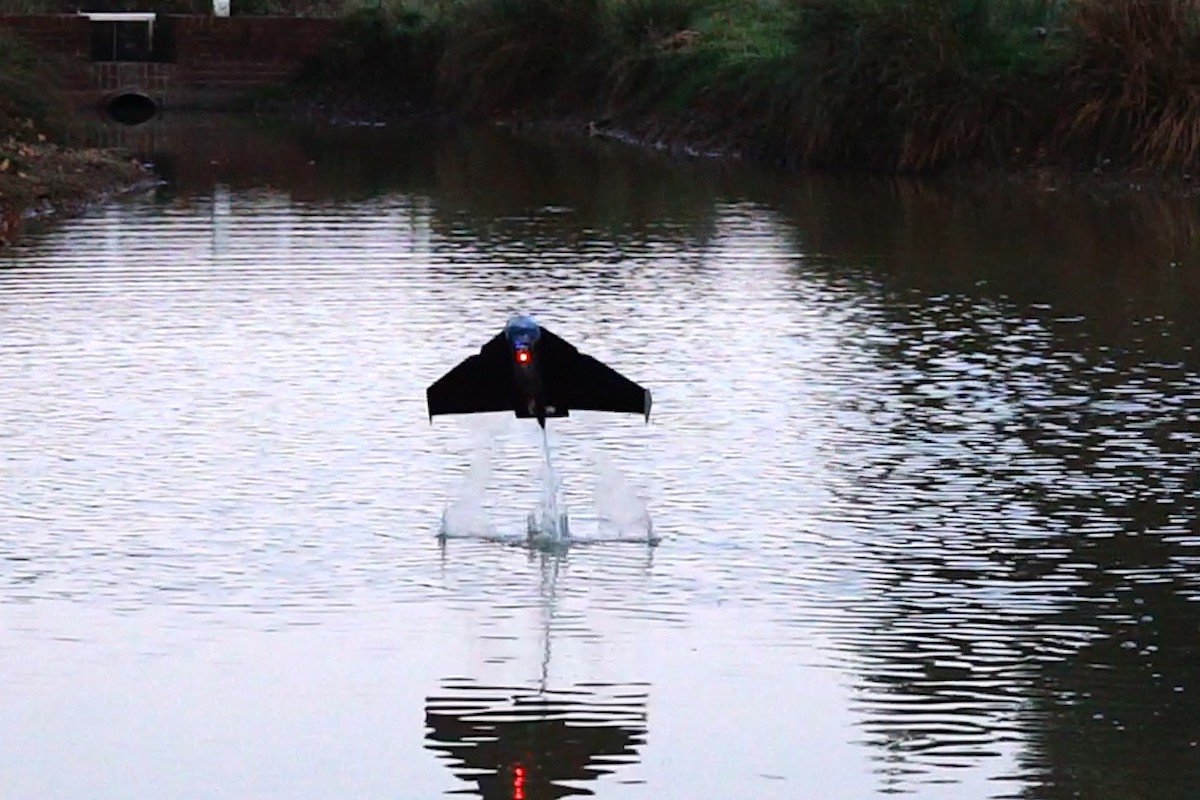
(978, 508)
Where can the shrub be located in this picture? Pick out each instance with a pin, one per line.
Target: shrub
(507, 54)
(892, 85)
(387, 50)
(915, 84)
(30, 100)
(1131, 88)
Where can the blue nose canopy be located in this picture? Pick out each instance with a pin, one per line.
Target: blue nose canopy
(522, 332)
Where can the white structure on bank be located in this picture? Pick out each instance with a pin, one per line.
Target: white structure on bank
(221, 8)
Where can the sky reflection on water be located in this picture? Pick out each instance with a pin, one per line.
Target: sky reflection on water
(923, 458)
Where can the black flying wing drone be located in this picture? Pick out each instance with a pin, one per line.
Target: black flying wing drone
(528, 370)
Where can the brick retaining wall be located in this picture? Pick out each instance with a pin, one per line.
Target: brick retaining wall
(214, 60)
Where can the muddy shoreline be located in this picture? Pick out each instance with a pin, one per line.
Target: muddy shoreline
(40, 179)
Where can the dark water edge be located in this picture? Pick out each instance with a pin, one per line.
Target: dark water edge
(1120, 220)
(115, 169)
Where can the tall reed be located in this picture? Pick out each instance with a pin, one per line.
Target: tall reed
(1130, 90)
(913, 85)
(893, 85)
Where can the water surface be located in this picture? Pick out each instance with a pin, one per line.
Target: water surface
(923, 460)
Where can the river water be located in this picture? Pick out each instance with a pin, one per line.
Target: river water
(923, 462)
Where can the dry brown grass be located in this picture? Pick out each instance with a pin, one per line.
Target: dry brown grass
(1131, 89)
(915, 85)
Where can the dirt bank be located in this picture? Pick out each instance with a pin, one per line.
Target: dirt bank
(43, 168)
(39, 178)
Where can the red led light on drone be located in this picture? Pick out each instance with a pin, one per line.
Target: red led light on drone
(518, 782)
(524, 357)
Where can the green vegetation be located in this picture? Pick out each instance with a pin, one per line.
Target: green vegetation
(895, 85)
(31, 106)
(891, 85)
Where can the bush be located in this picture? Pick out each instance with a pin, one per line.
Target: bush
(30, 101)
(892, 85)
(1131, 88)
(388, 51)
(912, 85)
(506, 54)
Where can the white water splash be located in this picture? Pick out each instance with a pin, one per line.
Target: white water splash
(547, 524)
(620, 513)
(465, 515)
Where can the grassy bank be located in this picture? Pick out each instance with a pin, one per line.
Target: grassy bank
(892, 85)
(40, 168)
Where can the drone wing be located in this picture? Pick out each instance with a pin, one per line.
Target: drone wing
(577, 381)
(482, 382)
